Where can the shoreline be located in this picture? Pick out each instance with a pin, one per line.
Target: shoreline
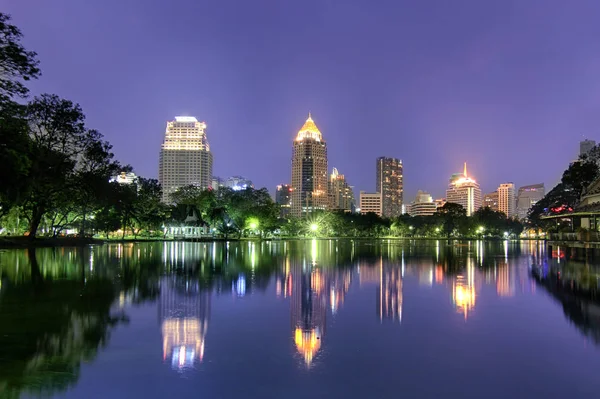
(26, 243)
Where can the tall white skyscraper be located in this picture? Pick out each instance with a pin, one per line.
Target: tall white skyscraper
(464, 190)
(506, 199)
(185, 156)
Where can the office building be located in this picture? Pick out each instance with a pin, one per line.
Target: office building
(217, 183)
(283, 198)
(464, 190)
(237, 183)
(527, 197)
(490, 200)
(586, 146)
(185, 157)
(370, 203)
(341, 196)
(309, 171)
(390, 185)
(423, 205)
(506, 199)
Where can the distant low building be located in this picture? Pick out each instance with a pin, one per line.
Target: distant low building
(490, 200)
(423, 205)
(370, 202)
(440, 202)
(217, 183)
(237, 183)
(125, 178)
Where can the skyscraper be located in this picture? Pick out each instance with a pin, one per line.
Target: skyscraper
(185, 156)
(506, 199)
(465, 191)
(586, 146)
(527, 197)
(309, 171)
(341, 196)
(283, 198)
(390, 185)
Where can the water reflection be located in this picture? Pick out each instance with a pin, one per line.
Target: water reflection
(58, 307)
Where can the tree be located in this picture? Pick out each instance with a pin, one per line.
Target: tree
(452, 216)
(16, 66)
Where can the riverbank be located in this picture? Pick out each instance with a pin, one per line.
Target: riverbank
(8, 242)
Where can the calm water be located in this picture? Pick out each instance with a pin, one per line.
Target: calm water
(319, 319)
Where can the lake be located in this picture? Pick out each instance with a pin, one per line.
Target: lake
(297, 319)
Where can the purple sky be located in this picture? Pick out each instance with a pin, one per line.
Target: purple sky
(509, 86)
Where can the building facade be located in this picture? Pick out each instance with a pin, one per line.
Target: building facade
(341, 196)
(309, 171)
(283, 198)
(423, 205)
(185, 156)
(506, 199)
(490, 200)
(527, 196)
(390, 185)
(370, 202)
(124, 178)
(464, 190)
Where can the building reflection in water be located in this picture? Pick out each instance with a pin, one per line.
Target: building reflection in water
(464, 290)
(184, 312)
(389, 288)
(312, 287)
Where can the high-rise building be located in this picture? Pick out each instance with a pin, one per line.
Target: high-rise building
(527, 197)
(238, 183)
(341, 196)
(586, 146)
(185, 157)
(390, 185)
(490, 200)
(423, 205)
(370, 203)
(309, 171)
(465, 191)
(283, 198)
(506, 199)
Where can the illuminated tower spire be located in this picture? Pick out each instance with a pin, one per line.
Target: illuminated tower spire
(465, 170)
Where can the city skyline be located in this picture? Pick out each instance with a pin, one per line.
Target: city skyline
(476, 71)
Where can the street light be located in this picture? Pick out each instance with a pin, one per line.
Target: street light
(253, 225)
(314, 227)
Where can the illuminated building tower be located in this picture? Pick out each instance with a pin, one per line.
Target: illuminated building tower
(283, 198)
(341, 196)
(308, 309)
(465, 191)
(490, 200)
(527, 197)
(309, 171)
(423, 205)
(185, 156)
(506, 199)
(184, 311)
(390, 185)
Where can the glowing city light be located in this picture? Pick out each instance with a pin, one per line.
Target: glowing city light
(314, 227)
(309, 131)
